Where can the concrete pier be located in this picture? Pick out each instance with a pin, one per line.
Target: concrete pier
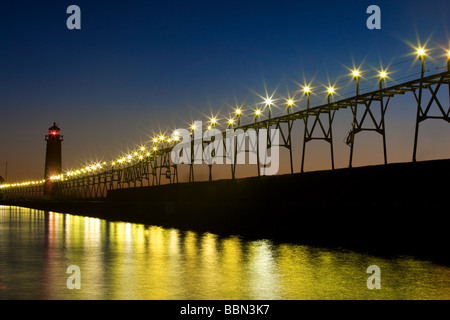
(388, 210)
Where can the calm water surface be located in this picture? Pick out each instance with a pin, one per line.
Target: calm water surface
(120, 260)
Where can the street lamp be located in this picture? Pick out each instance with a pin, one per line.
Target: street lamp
(257, 114)
(330, 92)
(269, 102)
(357, 76)
(448, 60)
(382, 76)
(238, 113)
(289, 105)
(307, 91)
(421, 54)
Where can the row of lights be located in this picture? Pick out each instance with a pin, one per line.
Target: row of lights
(98, 166)
(23, 184)
(213, 122)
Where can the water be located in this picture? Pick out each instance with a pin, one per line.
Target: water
(120, 260)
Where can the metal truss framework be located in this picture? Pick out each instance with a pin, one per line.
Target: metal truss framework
(150, 170)
(23, 193)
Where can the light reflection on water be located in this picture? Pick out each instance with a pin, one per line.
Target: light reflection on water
(133, 261)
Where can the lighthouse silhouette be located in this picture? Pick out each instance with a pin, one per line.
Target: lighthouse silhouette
(52, 157)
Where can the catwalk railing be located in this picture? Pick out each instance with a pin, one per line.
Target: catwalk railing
(150, 168)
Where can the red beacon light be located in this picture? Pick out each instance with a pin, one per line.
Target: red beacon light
(53, 133)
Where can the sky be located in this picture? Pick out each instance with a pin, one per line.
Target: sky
(136, 68)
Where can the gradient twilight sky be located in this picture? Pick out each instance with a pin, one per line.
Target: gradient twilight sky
(138, 67)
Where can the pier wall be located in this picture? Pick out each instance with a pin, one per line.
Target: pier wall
(393, 209)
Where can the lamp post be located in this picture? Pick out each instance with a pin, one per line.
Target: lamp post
(268, 102)
(448, 60)
(239, 113)
(290, 104)
(213, 122)
(421, 56)
(191, 165)
(356, 76)
(231, 122)
(257, 115)
(382, 79)
(307, 92)
(330, 122)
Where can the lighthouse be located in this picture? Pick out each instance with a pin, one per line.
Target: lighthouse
(52, 157)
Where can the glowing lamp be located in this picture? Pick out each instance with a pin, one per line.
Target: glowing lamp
(231, 121)
(330, 90)
(356, 73)
(306, 89)
(268, 101)
(213, 120)
(383, 74)
(290, 102)
(238, 111)
(258, 113)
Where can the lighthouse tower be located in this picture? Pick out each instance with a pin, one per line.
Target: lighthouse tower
(52, 157)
